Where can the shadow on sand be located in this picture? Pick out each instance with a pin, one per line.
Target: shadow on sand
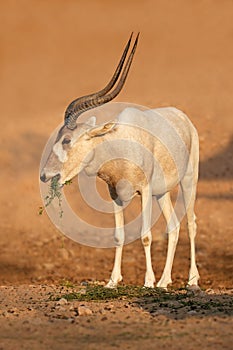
(219, 166)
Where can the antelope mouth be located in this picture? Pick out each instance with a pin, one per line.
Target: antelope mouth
(54, 179)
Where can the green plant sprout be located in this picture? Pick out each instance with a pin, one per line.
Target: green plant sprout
(54, 192)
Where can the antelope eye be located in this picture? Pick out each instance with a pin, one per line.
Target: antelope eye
(65, 141)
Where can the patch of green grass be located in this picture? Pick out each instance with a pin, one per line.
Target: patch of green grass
(151, 299)
(67, 284)
(96, 293)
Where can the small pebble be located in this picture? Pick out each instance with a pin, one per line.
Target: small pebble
(62, 301)
(84, 311)
(104, 318)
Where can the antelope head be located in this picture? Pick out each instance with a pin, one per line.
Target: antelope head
(71, 150)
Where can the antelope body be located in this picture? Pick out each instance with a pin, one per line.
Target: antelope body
(141, 152)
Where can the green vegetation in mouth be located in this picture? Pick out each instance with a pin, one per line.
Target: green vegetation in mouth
(54, 192)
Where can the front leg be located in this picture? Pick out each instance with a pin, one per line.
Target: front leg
(146, 235)
(116, 276)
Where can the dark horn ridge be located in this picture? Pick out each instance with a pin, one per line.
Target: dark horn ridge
(106, 89)
(118, 88)
(98, 98)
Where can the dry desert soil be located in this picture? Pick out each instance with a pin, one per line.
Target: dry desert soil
(51, 288)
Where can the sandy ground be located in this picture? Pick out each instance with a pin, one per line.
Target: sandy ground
(52, 52)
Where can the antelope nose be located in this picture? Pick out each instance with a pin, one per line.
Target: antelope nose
(43, 177)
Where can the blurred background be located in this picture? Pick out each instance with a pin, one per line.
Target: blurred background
(54, 51)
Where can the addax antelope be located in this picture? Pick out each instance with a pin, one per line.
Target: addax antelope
(160, 150)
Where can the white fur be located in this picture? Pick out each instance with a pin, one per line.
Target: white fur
(164, 144)
(60, 152)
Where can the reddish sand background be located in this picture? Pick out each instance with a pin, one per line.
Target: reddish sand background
(54, 51)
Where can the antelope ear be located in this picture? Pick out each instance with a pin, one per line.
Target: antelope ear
(101, 130)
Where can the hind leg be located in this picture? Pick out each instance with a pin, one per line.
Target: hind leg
(188, 185)
(173, 228)
(146, 235)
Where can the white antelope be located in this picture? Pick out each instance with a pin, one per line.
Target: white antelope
(160, 151)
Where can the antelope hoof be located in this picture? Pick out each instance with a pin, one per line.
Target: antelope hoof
(149, 284)
(149, 280)
(163, 283)
(111, 284)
